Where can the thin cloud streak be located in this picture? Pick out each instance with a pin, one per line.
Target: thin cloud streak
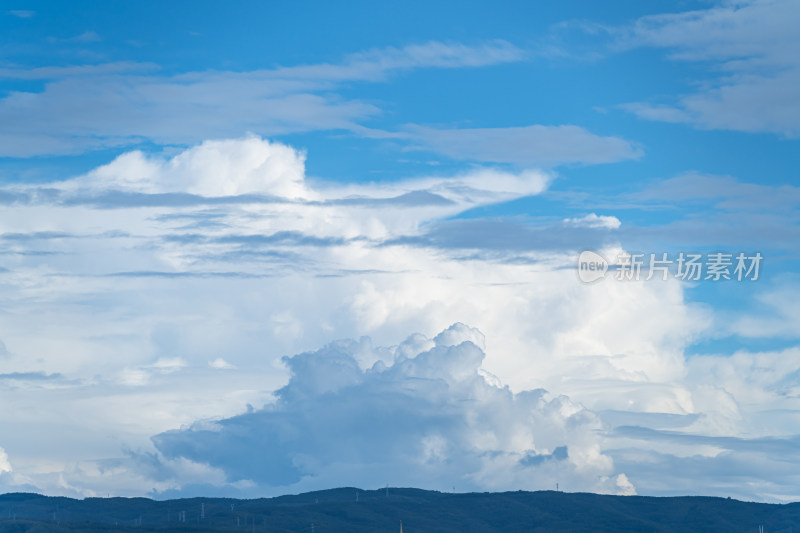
(751, 44)
(90, 107)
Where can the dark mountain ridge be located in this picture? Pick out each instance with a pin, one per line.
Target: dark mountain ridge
(355, 510)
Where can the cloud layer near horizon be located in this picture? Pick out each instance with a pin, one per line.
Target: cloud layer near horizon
(159, 292)
(425, 417)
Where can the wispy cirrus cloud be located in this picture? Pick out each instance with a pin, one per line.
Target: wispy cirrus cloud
(87, 36)
(51, 73)
(750, 46)
(526, 146)
(23, 13)
(87, 107)
(377, 64)
(696, 210)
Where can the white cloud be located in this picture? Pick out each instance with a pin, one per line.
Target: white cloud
(593, 220)
(214, 168)
(221, 364)
(142, 375)
(5, 466)
(168, 365)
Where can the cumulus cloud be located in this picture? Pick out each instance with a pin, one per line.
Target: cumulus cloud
(426, 418)
(214, 168)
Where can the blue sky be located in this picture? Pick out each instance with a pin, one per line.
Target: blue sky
(315, 229)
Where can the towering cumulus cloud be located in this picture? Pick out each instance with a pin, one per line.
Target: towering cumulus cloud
(423, 414)
(214, 168)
